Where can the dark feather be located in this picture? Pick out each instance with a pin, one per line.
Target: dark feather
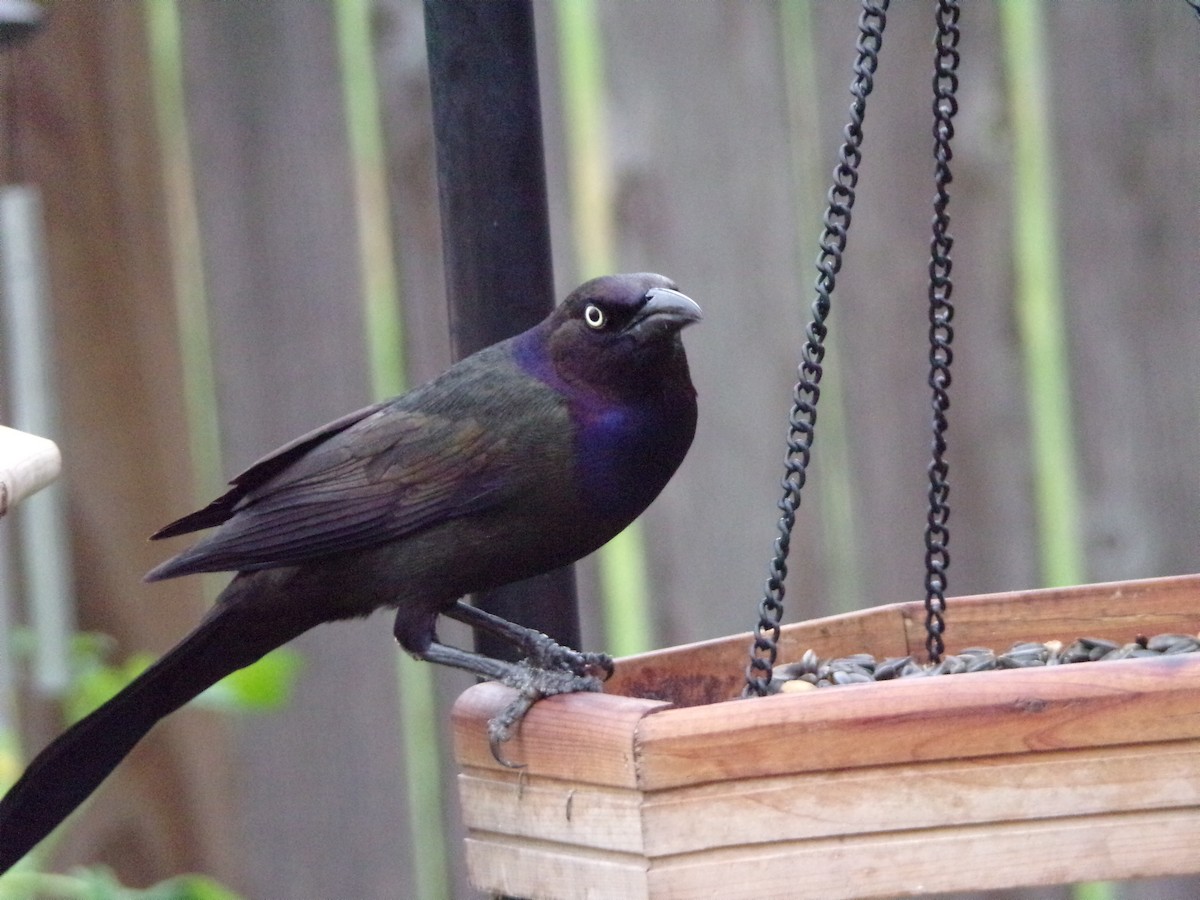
(373, 480)
(263, 470)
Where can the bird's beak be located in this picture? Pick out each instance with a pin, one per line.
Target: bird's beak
(666, 305)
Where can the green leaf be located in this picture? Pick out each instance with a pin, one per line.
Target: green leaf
(99, 883)
(264, 686)
(186, 887)
(96, 683)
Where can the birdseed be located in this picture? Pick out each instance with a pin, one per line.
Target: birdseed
(812, 671)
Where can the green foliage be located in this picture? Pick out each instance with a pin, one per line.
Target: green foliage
(262, 687)
(100, 884)
(93, 679)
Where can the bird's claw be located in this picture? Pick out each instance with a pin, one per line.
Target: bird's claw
(547, 654)
(533, 684)
(501, 728)
(599, 664)
(585, 665)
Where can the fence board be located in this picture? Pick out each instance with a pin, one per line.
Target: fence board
(83, 120)
(278, 227)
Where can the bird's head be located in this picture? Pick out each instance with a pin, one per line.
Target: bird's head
(617, 328)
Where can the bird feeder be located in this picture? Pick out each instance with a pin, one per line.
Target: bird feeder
(666, 786)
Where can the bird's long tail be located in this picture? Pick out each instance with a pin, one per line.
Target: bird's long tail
(69, 769)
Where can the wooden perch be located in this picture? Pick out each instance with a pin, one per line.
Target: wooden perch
(663, 788)
(27, 464)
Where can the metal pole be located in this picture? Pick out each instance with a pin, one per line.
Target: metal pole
(495, 226)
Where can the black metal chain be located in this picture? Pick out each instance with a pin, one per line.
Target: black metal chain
(803, 415)
(941, 312)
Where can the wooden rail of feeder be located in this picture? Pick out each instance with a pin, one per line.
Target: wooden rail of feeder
(27, 464)
(658, 788)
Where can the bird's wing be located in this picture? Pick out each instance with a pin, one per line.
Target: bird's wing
(259, 473)
(388, 474)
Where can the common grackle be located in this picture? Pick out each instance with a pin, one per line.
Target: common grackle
(519, 459)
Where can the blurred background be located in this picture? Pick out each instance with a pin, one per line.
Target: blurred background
(241, 241)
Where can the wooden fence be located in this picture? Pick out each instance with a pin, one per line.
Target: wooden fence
(716, 140)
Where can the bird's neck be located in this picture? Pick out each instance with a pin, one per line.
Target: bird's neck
(632, 425)
(581, 376)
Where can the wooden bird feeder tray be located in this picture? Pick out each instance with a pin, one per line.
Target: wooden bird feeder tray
(659, 788)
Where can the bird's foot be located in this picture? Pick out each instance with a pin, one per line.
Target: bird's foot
(543, 651)
(533, 684)
(547, 654)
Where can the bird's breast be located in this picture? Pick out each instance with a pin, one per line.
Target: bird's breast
(629, 433)
(625, 454)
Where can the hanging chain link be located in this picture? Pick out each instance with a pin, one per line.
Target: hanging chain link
(803, 415)
(941, 312)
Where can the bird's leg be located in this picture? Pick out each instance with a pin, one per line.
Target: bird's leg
(476, 663)
(532, 683)
(543, 651)
(543, 674)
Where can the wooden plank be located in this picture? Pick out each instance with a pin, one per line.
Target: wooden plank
(83, 107)
(821, 804)
(874, 724)
(963, 716)
(710, 671)
(1139, 477)
(880, 864)
(1116, 610)
(999, 789)
(532, 871)
(566, 812)
(578, 737)
(1124, 845)
(589, 737)
(277, 218)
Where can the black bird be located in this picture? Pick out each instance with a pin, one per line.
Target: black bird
(521, 458)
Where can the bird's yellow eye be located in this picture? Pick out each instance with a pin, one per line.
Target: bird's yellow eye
(594, 316)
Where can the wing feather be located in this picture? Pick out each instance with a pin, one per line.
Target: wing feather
(260, 472)
(384, 475)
